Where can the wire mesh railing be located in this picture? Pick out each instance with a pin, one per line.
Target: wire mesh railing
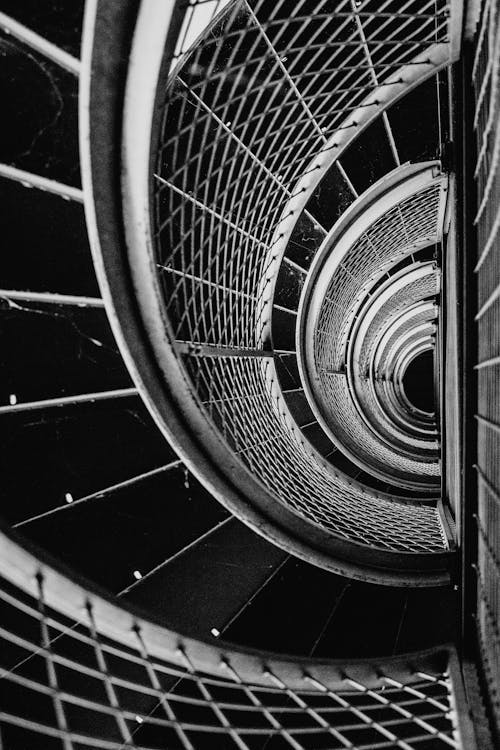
(233, 128)
(376, 412)
(386, 242)
(342, 316)
(80, 672)
(486, 82)
(381, 364)
(241, 403)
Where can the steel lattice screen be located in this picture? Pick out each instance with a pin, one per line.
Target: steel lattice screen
(92, 677)
(250, 419)
(339, 405)
(386, 241)
(371, 392)
(247, 114)
(486, 80)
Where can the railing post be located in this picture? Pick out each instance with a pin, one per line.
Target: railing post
(467, 357)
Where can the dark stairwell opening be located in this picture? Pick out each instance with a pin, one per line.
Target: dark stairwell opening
(418, 382)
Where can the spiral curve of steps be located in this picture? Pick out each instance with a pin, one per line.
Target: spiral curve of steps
(218, 292)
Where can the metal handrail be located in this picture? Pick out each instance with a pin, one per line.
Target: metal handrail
(131, 665)
(309, 523)
(329, 314)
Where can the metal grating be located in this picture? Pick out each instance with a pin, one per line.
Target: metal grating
(451, 380)
(243, 114)
(373, 397)
(334, 389)
(224, 167)
(362, 443)
(387, 240)
(240, 401)
(407, 225)
(79, 672)
(364, 383)
(486, 80)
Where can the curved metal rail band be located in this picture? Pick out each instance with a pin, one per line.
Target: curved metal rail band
(110, 678)
(120, 231)
(332, 324)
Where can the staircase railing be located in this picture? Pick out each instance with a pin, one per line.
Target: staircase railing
(187, 253)
(79, 671)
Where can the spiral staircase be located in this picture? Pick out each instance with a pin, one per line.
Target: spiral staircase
(234, 229)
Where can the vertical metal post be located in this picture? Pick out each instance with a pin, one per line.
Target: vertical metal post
(439, 370)
(467, 354)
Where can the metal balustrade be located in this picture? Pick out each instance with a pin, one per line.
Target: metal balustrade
(241, 121)
(77, 671)
(486, 76)
(230, 144)
(383, 314)
(342, 316)
(381, 365)
(414, 223)
(365, 381)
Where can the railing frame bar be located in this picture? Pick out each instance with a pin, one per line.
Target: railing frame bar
(102, 493)
(31, 180)
(39, 44)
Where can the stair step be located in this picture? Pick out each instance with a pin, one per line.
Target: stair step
(288, 371)
(290, 613)
(71, 349)
(299, 407)
(317, 436)
(80, 450)
(429, 619)
(304, 242)
(288, 286)
(370, 157)
(60, 23)
(135, 529)
(200, 591)
(52, 267)
(366, 622)
(284, 323)
(330, 199)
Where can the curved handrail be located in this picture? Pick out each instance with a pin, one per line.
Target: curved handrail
(325, 313)
(131, 664)
(379, 368)
(127, 279)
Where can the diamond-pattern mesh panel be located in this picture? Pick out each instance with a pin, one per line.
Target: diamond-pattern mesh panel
(238, 395)
(242, 121)
(486, 79)
(244, 114)
(339, 408)
(401, 301)
(425, 316)
(412, 221)
(98, 681)
(373, 396)
(353, 433)
(425, 288)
